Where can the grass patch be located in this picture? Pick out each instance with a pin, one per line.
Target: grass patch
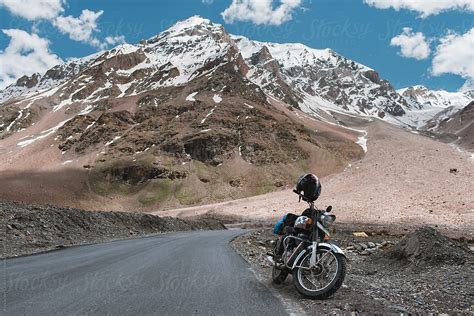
(101, 186)
(186, 195)
(156, 192)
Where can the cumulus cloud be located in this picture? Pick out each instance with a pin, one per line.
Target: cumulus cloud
(261, 11)
(80, 29)
(424, 7)
(455, 55)
(412, 45)
(26, 54)
(34, 9)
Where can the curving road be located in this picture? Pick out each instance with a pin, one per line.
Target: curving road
(194, 273)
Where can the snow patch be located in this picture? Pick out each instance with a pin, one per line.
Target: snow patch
(42, 135)
(216, 98)
(362, 141)
(191, 97)
(207, 115)
(113, 140)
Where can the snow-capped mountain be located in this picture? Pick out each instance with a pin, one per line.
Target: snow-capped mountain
(172, 58)
(425, 105)
(454, 124)
(301, 76)
(316, 81)
(420, 97)
(319, 79)
(174, 119)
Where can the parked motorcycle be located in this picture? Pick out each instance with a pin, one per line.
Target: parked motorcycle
(318, 267)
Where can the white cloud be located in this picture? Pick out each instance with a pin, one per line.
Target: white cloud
(114, 40)
(455, 55)
(424, 7)
(260, 11)
(34, 9)
(80, 29)
(26, 54)
(412, 45)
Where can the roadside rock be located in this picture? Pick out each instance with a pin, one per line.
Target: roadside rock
(426, 246)
(35, 228)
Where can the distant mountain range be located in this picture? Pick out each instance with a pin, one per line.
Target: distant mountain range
(313, 80)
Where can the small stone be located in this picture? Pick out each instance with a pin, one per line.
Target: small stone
(399, 309)
(371, 244)
(9, 227)
(364, 246)
(371, 272)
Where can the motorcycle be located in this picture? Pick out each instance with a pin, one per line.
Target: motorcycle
(317, 266)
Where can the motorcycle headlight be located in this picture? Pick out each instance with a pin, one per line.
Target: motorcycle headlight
(327, 219)
(303, 222)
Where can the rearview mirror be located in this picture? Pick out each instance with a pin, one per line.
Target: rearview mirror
(329, 209)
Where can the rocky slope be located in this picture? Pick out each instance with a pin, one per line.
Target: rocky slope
(455, 125)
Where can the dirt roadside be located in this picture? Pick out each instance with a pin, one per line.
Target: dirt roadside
(379, 280)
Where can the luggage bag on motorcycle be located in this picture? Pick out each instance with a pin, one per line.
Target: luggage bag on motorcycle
(287, 220)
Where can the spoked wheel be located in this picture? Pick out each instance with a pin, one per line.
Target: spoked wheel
(322, 280)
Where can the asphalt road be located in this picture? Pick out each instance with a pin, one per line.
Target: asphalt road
(195, 273)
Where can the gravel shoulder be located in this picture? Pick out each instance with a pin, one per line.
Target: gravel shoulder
(376, 281)
(29, 229)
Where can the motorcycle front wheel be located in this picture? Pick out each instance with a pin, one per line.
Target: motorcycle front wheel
(322, 280)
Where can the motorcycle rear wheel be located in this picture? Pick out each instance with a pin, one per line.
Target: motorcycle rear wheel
(329, 274)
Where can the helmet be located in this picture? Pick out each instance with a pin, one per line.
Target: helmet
(310, 185)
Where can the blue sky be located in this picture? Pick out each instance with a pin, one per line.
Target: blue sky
(353, 28)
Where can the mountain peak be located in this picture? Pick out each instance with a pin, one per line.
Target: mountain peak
(191, 23)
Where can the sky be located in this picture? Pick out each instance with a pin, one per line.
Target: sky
(409, 42)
